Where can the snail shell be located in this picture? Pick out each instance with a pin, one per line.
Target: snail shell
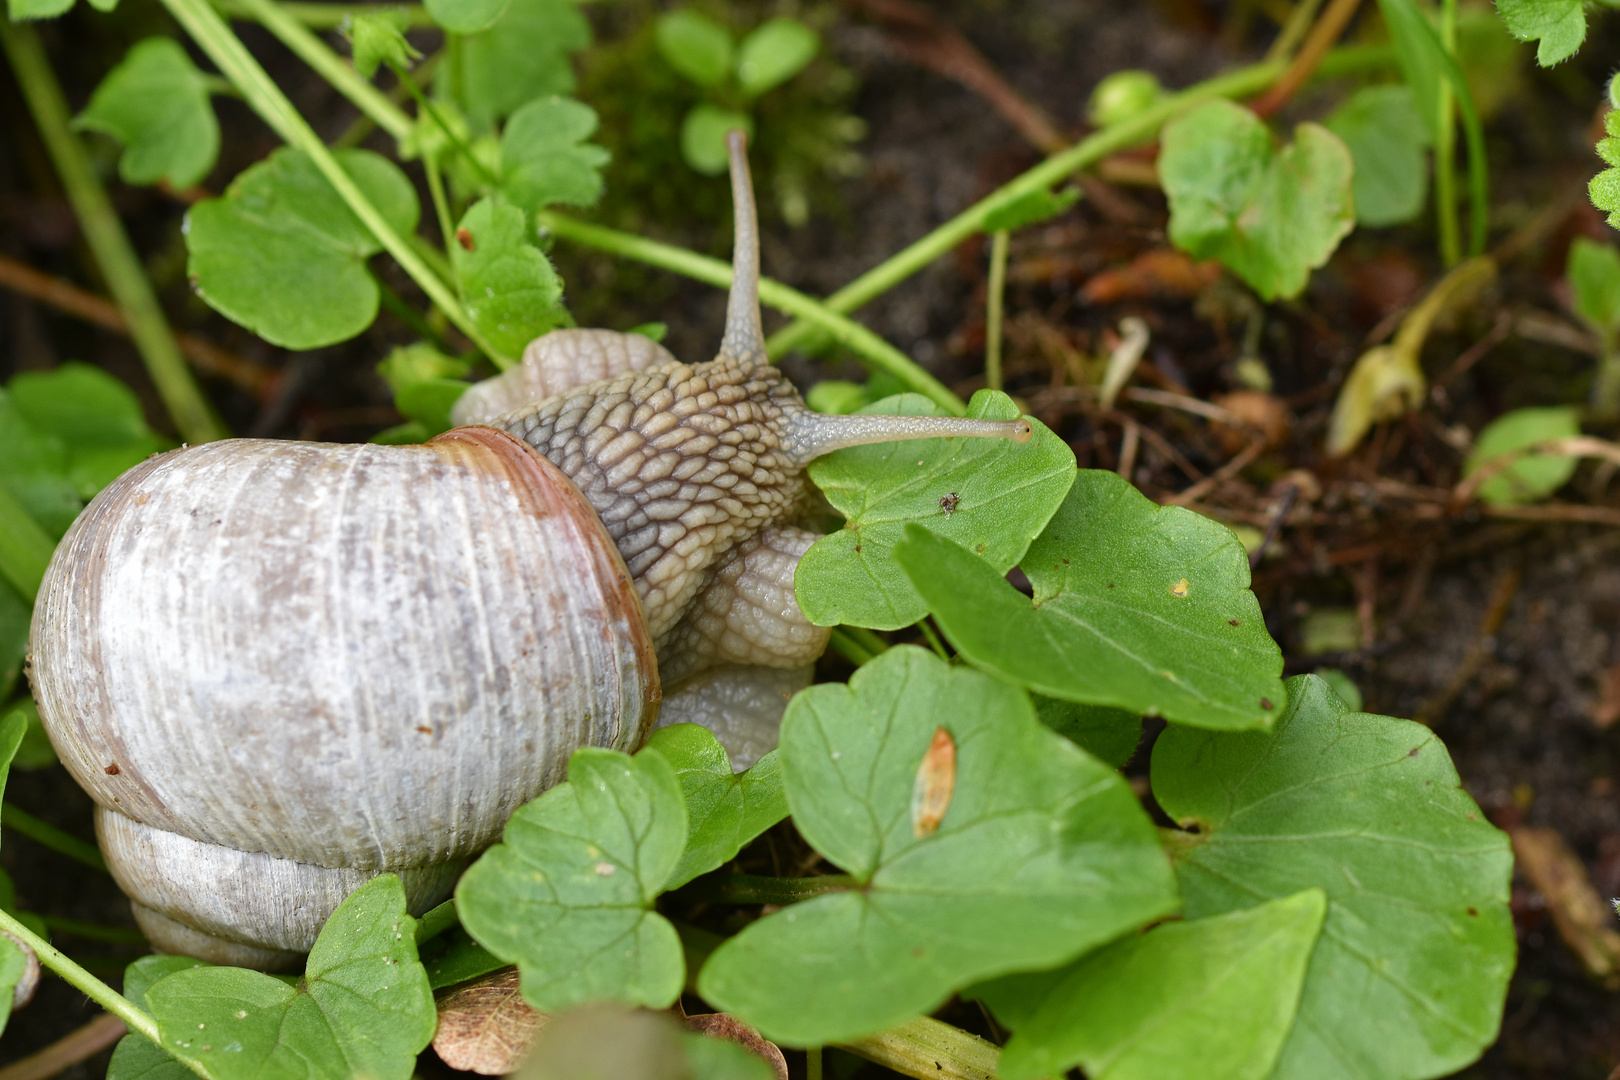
(419, 636)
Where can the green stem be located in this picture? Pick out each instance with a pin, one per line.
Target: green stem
(331, 16)
(1445, 149)
(441, 204)
(436, 921)
(754, 889)
(1605, 388)
(292, 32)
(47, 835)
(395, 305)
(1121, 136)
(933, 639)
(424, 105)
(25, 548)
(877, 353)
(812, 1063)
(929, 1050)
(260, 91)
(108, 242)
(994, 308)
(92, 987)
(114, 935)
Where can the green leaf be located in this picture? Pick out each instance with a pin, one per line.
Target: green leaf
(378, 37)
(523, 56)
(1030, 208)
(1042, 852)
(406, 365)
(34, 470)
(1409, 975)
(1593, 271)
(156, 103)
(18, 10)
(1005, 494)
(136, 1057)
(507, 283)
(12, 962)
(465, 16)
(465, 959)
(1560, 26)
(694, 45)
(1532, 477)
(1136, 606)
(15, 613)
(1270, 216)
(97, 417)
(545, 159)
(1604, 190)
(363, 1007)
(1184, 1001)
(13, 727)
(703, 137)
(36, 751)
(1387, 140)
(724, 810)
(284, 256)
(429, 403)
(610, 1042)
(773, 53)
(426, 385)
(1107, 734)
(568, 893)
(1122, 95)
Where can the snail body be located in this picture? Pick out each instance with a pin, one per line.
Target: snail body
(281, 668)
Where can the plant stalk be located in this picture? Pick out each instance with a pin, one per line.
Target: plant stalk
(47, 835)
(1445, 148)
(25, 548)
(331, 16)
(994, 308)
(113, 935)
(929, 1050)
(192, 416)
(265, 97)
(1087, 152)
(75, 976)
(877, 353)
(754, 889)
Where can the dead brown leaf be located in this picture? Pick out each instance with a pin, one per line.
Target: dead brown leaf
(935, 784)
(485, 1026)
(1158, 273)
(1263, 413)
(1582, 918)
(728, 1027)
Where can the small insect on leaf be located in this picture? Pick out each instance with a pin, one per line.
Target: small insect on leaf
(947, 503)
(936, 781)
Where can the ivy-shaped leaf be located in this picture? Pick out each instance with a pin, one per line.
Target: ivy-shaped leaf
(426, 384)
(49, 9)
(991, 496)
(95, 416)
(1593, 272)
(1604, 190)
(545, 159)
(1184, 1001)
(1270, 216)
(507, 284)
(1038, 853)
(567, 895)
(1107, 734)
(724, 810)
(363, 1007)
(284, 256)
(1535, 476)
(378, 38)
(155, 102)
(34, 470)
(1136, 606)
(1559, 25)
(524, 55)
(136, 1057)
(1410, 973)
(1387, 139)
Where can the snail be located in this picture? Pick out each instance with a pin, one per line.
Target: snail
(281, 668)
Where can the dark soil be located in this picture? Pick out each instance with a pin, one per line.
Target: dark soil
(1515, 705)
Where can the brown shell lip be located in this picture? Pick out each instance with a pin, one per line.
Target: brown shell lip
(545, 489)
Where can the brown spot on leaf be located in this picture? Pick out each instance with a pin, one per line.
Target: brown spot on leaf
(486, 1026)
(1232, 622)
(465, 238)
(1265, 703)
(936, 783)
(424, 729)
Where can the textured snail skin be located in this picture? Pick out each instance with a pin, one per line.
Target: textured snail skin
(553, 363)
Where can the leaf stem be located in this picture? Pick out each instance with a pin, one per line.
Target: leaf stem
(1087, 152)
(874, 351)
(424, 105)
(441, 204)
(294, 34)
(933, 639)
(80, 979)
(47, 835)
(929, 1050)
(812, 1063)
(849, 642)
(104, 233)
(1445, 148)
(115, 935)
(25, 548)
(994, 307)
(265, 97)
(754, 889)
(436, 921)
(331, 16)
